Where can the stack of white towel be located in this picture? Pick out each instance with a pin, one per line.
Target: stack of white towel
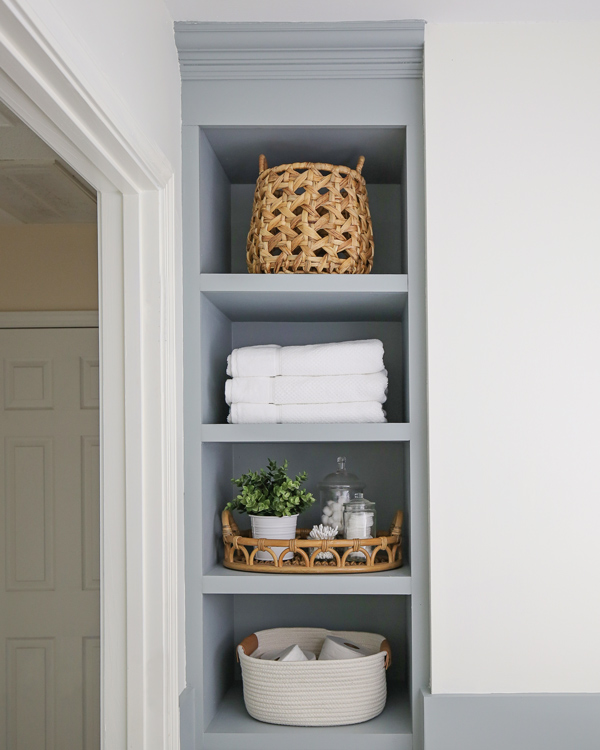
(340, 382)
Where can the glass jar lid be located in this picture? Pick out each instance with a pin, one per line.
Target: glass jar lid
(358, 503)
(342, 478)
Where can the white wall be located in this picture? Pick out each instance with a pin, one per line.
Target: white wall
(48, 267)
(513, 221)
(131, 43)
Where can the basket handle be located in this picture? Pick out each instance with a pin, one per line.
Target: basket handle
(385, 646)
(248, 645)
(230, 527)
(361, 162)
(396, 527)
(262, 163)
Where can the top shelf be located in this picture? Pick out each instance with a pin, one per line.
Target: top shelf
(310, 297)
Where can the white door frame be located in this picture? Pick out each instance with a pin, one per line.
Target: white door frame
(139, 252)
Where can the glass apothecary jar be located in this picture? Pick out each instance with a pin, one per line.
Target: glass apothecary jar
(335, 490)
(360, 522)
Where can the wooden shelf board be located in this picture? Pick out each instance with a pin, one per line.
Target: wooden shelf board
(220, 580)
(310, 297)
(305, 433)
(391, 730)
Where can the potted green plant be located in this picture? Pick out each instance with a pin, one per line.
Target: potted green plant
(273, 501)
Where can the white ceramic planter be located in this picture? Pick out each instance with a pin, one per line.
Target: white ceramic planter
(274, 527)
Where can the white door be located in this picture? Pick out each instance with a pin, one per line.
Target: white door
(49, 540)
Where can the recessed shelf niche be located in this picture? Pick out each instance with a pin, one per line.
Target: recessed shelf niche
(229, 169)
(383, 466)
(230, 618)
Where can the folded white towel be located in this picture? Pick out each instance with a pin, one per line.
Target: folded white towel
(343, 358)
(359, 411)
(307, 390)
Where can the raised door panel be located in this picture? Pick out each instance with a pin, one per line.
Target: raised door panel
(29, 514)
(30, 700)
(28, 384)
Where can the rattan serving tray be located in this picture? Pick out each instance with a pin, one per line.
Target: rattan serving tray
(383, 552)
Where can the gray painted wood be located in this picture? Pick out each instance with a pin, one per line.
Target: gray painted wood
(296, 298)
(256, 51)
(518, 722)
(214, 208)
(232, 727)
(187, 724)
(192, 422)
(238, 148)
(235, 103)
(226, 126)
(219, 580)
(416, 412)
(303, 433)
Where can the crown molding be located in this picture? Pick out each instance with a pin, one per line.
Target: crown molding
(223, 51)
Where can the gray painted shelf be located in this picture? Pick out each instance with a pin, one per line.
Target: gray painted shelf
(225, 128)
(303, 433)
(391, 730)
(290, 298)
(219, 580)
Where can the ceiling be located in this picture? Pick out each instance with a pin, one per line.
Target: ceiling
(36, 187)
(433, 11)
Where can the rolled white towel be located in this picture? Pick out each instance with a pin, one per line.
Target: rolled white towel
(335, 648)
(323, 389)
(341, 358)
(356, 412)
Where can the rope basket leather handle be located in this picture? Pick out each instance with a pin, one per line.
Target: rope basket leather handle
(248, 645)
(385, 646)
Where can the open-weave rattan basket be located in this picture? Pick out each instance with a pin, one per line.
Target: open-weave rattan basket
(313, 693)
(310, 218)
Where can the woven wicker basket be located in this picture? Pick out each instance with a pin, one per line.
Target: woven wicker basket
(313, 693)
(310, 218)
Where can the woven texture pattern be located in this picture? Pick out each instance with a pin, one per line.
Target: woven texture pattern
(384, 552)
(310, 218)
(314, 693)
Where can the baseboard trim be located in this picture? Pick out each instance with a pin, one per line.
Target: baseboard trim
(533, 721)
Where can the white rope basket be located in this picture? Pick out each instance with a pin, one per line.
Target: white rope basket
(313, 693)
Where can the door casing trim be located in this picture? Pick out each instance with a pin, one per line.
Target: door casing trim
(57, 90)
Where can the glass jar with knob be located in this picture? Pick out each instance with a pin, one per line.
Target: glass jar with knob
(335, 490)
(360, 522)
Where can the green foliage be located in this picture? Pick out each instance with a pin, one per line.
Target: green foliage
(270, 492)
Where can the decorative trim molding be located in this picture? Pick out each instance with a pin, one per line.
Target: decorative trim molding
(50, 81)
(50, 319)
(524, 721)
(218, 51)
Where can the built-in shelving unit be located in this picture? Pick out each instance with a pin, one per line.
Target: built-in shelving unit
(370, 106)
